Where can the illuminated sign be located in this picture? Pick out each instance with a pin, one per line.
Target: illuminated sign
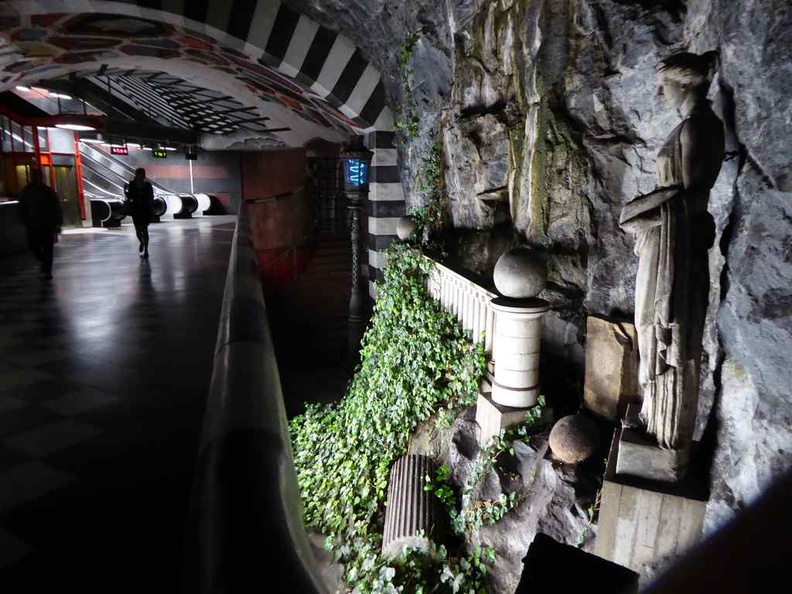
(160, 153)
(119, 150)
(355, 173)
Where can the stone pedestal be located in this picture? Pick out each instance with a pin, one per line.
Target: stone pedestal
(515, 350)
(640, 456)
(643, 521)
(413, 516)
(611, 367)
(493, 417)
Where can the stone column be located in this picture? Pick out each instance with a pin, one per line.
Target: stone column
(515, 350)
(410, 508)
(520, 275)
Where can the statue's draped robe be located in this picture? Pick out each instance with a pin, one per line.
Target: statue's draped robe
(672, 240)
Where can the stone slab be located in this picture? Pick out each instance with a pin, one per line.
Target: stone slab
(611, 380)
(641, 457)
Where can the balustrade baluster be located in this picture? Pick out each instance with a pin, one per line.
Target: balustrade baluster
(466, 301)
(476, 317)
(468, 309)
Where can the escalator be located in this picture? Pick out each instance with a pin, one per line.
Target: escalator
(105, 175)
(104, 179)
(98, 182)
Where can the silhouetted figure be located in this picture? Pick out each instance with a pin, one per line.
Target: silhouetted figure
(140, 198)
(39, 207)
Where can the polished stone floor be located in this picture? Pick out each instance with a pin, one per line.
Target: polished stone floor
(104, 373)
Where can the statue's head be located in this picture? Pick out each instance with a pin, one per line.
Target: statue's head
(683, 75)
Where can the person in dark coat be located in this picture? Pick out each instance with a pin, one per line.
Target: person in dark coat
(39, 207)
(140, 196)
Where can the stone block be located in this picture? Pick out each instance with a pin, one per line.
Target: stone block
(611, 381)
(492, 417)
(643, 522)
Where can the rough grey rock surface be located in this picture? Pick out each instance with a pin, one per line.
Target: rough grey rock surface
(569, 90)
(564, 93)
(555, 497)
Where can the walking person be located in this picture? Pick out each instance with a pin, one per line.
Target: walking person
(39, 207)
(140, 196)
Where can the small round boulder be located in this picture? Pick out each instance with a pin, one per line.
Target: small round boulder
(520, 273)
(405, 227)
(574, 438)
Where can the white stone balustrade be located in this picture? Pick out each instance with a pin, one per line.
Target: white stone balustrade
(468, 301)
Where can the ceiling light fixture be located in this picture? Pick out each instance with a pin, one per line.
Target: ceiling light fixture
(75, 127)
(24, 89)
(60, 96)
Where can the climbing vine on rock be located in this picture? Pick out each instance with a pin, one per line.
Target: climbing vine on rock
(430, 181)
(415, 360)
(471, 513)
(406, 121)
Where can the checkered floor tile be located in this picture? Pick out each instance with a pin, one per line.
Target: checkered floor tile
(104, 372)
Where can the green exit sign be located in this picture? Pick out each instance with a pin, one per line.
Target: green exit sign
(160, 154)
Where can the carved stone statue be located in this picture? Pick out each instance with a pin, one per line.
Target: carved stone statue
(673, 232)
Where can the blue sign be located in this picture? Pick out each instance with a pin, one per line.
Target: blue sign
(355, 172)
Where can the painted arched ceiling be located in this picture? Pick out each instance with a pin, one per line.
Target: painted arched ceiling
(298, 74)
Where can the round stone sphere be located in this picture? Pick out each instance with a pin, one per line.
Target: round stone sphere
(520, 273)
(405, 227)
(574, 438)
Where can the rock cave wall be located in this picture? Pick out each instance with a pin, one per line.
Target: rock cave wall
(550, 120)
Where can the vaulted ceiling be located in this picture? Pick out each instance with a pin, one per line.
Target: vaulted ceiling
(299, 78)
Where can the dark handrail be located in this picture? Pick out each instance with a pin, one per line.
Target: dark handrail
(304, 240)
(276, 197)
(245, 531)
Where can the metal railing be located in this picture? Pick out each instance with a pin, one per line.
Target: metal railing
(245, 531)
(468, 301)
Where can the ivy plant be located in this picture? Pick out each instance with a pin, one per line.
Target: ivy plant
(415, 361)
(430, 181)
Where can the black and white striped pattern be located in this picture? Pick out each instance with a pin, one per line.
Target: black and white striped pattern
(322, 60)
(386, 201)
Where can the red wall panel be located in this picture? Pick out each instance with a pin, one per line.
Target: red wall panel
(280, 222)
(269, 173)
